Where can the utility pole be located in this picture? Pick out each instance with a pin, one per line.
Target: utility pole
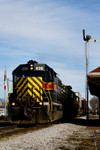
(87, 39)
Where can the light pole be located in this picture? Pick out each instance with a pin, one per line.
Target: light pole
(87, 39)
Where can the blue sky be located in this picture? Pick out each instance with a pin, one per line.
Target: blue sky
(49, 31)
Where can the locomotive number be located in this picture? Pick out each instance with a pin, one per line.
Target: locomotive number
(24, 68)
(40, 68)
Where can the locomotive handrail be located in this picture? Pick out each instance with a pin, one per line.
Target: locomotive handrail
(47, 99)
(35, 88)
(50, 99)
(8, 97)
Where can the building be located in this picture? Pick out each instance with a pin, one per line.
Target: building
(2, 107)
(2, 110)
(94, 82)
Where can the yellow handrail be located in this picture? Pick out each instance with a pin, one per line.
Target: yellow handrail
(8, 97)
(50, 99)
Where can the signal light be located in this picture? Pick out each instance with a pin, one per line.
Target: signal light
(88, 37)
(31, 66)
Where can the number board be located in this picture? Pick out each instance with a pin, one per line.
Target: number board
(24, 68)
(39, 67)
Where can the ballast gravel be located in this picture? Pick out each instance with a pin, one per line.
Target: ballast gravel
(51, 138)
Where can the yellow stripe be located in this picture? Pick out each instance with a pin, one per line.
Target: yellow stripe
(21, 93)
(18, 96)
(19, 88)
(39, 94)
(33, 83)
(18, 82)
(34, 90)
(37, 81)
(25, 93)
(93, 40)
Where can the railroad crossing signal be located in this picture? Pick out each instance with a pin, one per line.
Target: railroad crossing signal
(88, 37)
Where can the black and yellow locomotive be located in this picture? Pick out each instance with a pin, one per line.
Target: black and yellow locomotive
(37, 94)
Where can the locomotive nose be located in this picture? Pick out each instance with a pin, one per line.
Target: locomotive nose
(28, 101)
(29, 88)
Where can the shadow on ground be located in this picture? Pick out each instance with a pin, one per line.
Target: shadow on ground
(84, 122)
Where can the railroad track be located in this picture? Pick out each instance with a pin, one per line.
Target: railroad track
(4, 123)
(7, 131)
(13, 130)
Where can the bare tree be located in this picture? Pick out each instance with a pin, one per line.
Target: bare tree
(94, 103)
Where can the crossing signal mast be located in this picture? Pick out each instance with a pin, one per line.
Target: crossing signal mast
(87, 38)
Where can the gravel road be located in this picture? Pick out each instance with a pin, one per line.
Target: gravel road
(51, 138)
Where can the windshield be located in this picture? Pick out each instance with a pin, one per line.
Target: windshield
(29, 74)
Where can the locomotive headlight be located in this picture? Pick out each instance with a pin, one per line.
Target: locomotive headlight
(43, 103)
(40, 103)
(31, 66)
(13, 104)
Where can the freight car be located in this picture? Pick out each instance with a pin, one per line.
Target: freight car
(82, 110)
(38, 95)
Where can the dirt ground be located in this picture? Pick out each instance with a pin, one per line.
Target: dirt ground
(85, 140)
(88, 138)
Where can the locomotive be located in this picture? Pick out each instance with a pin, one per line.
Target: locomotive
(70, 103)
(38, 95)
